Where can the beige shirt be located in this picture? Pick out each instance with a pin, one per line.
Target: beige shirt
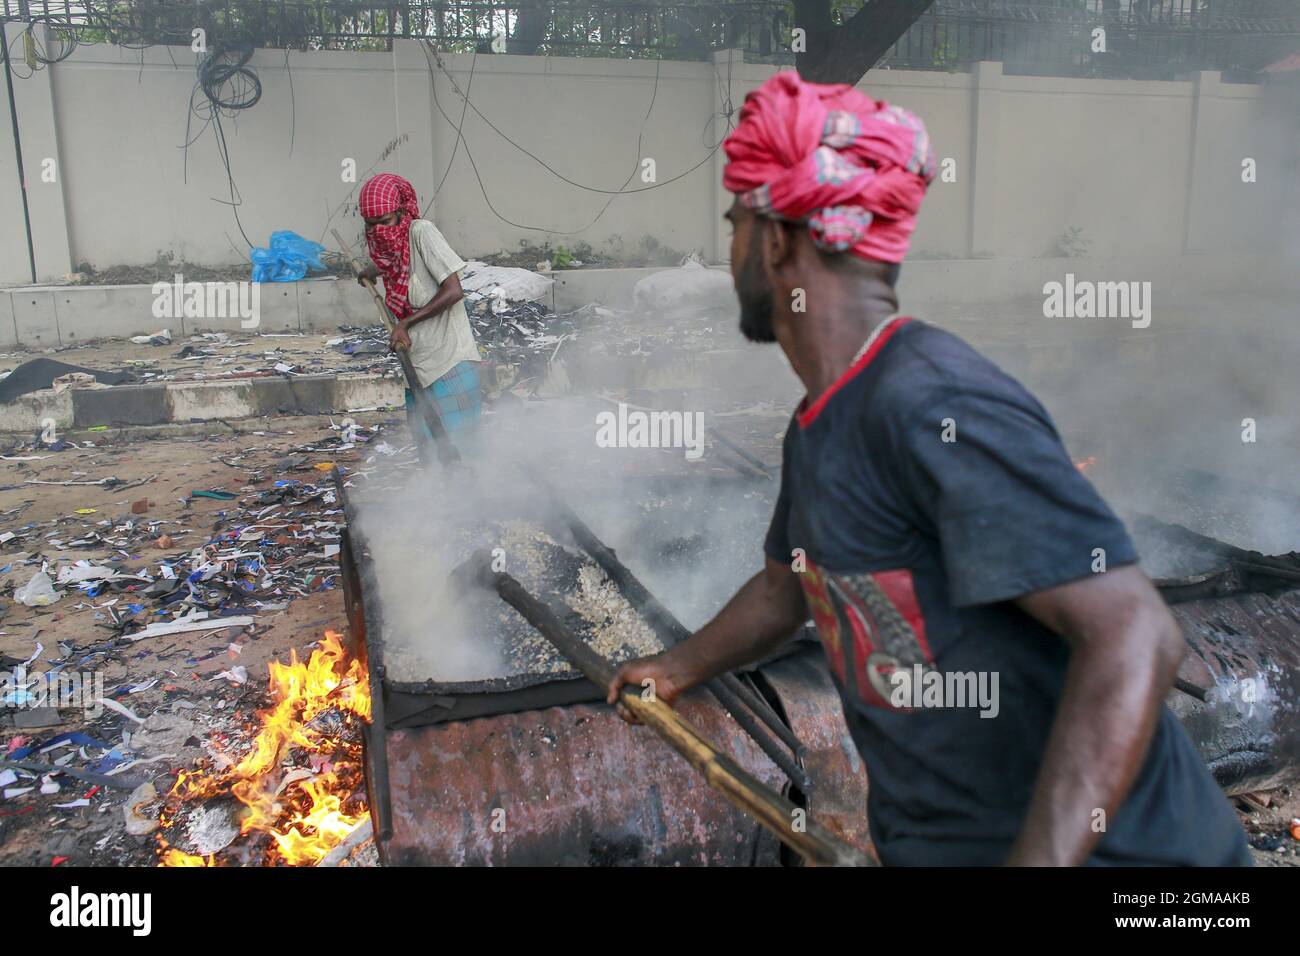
(441, 341)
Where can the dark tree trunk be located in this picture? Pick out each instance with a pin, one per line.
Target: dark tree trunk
(530, 27)
(842, 54)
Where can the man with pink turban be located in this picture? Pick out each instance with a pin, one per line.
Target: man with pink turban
(1001, 660)
(421, 276)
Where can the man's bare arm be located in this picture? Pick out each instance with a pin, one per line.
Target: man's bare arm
(448, 294)
(1125, 652)
(758, 619)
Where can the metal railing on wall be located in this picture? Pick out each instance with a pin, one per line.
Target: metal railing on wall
(1143, 38)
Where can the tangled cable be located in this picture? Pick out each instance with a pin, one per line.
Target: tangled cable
(226, 80)
(61, 28)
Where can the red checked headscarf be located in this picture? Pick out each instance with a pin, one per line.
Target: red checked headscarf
(390, 246)
(853, 169)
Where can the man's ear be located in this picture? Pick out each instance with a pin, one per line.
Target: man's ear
(777, 245)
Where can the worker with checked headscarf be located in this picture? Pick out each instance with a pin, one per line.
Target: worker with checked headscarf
(1001, 660)
(421, 276)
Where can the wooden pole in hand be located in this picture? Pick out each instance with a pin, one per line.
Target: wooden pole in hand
(787, 822)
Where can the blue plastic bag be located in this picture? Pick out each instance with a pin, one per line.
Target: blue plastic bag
(288, 258)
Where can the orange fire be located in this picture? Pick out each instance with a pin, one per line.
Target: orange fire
(301, 809)
(1084, 464)
(174, 857)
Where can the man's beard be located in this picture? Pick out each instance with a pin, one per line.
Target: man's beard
(755, 303)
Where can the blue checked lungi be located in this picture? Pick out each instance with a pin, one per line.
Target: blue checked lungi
(458, 399)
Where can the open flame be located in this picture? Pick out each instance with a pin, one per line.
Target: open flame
(297, 780)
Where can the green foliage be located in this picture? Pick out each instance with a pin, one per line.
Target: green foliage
(613, 253)
(946, 54)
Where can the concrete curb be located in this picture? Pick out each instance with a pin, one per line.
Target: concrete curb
(171, 402)
(272, 425)
(47, 316)
(748, 371)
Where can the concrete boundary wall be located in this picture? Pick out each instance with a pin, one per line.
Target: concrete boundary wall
(1138, 168)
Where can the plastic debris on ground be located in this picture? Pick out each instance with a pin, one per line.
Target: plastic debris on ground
(689, 290)
(162, 337)
(504, 283)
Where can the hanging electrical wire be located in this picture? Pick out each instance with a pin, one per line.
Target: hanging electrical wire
(35, 53)
(227, 85)
(226, 80)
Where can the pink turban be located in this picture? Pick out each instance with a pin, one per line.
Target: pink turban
(853, 169)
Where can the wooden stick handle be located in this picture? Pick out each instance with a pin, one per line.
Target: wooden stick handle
(775, 812)
(789, 823)
(385, 315)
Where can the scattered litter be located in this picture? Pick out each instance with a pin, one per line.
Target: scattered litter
(507, 283)
(40, 373)
(167, 603)
(137, 823)
(161, 337)
(689, 290)
(124, 711)
(197, 622)
(236, 675)
(163, 733)
(214, 493)
(75, 380)
(102, 481)
(37, 592)
(85, 571)
(211, 828)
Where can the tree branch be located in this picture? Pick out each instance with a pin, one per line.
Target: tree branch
(843, 54)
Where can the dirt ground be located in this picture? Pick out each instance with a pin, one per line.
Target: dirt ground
(177, 675)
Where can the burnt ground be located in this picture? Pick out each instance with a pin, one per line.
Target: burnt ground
(173, 681)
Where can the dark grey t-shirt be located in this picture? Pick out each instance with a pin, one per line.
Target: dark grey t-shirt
(923, 492)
